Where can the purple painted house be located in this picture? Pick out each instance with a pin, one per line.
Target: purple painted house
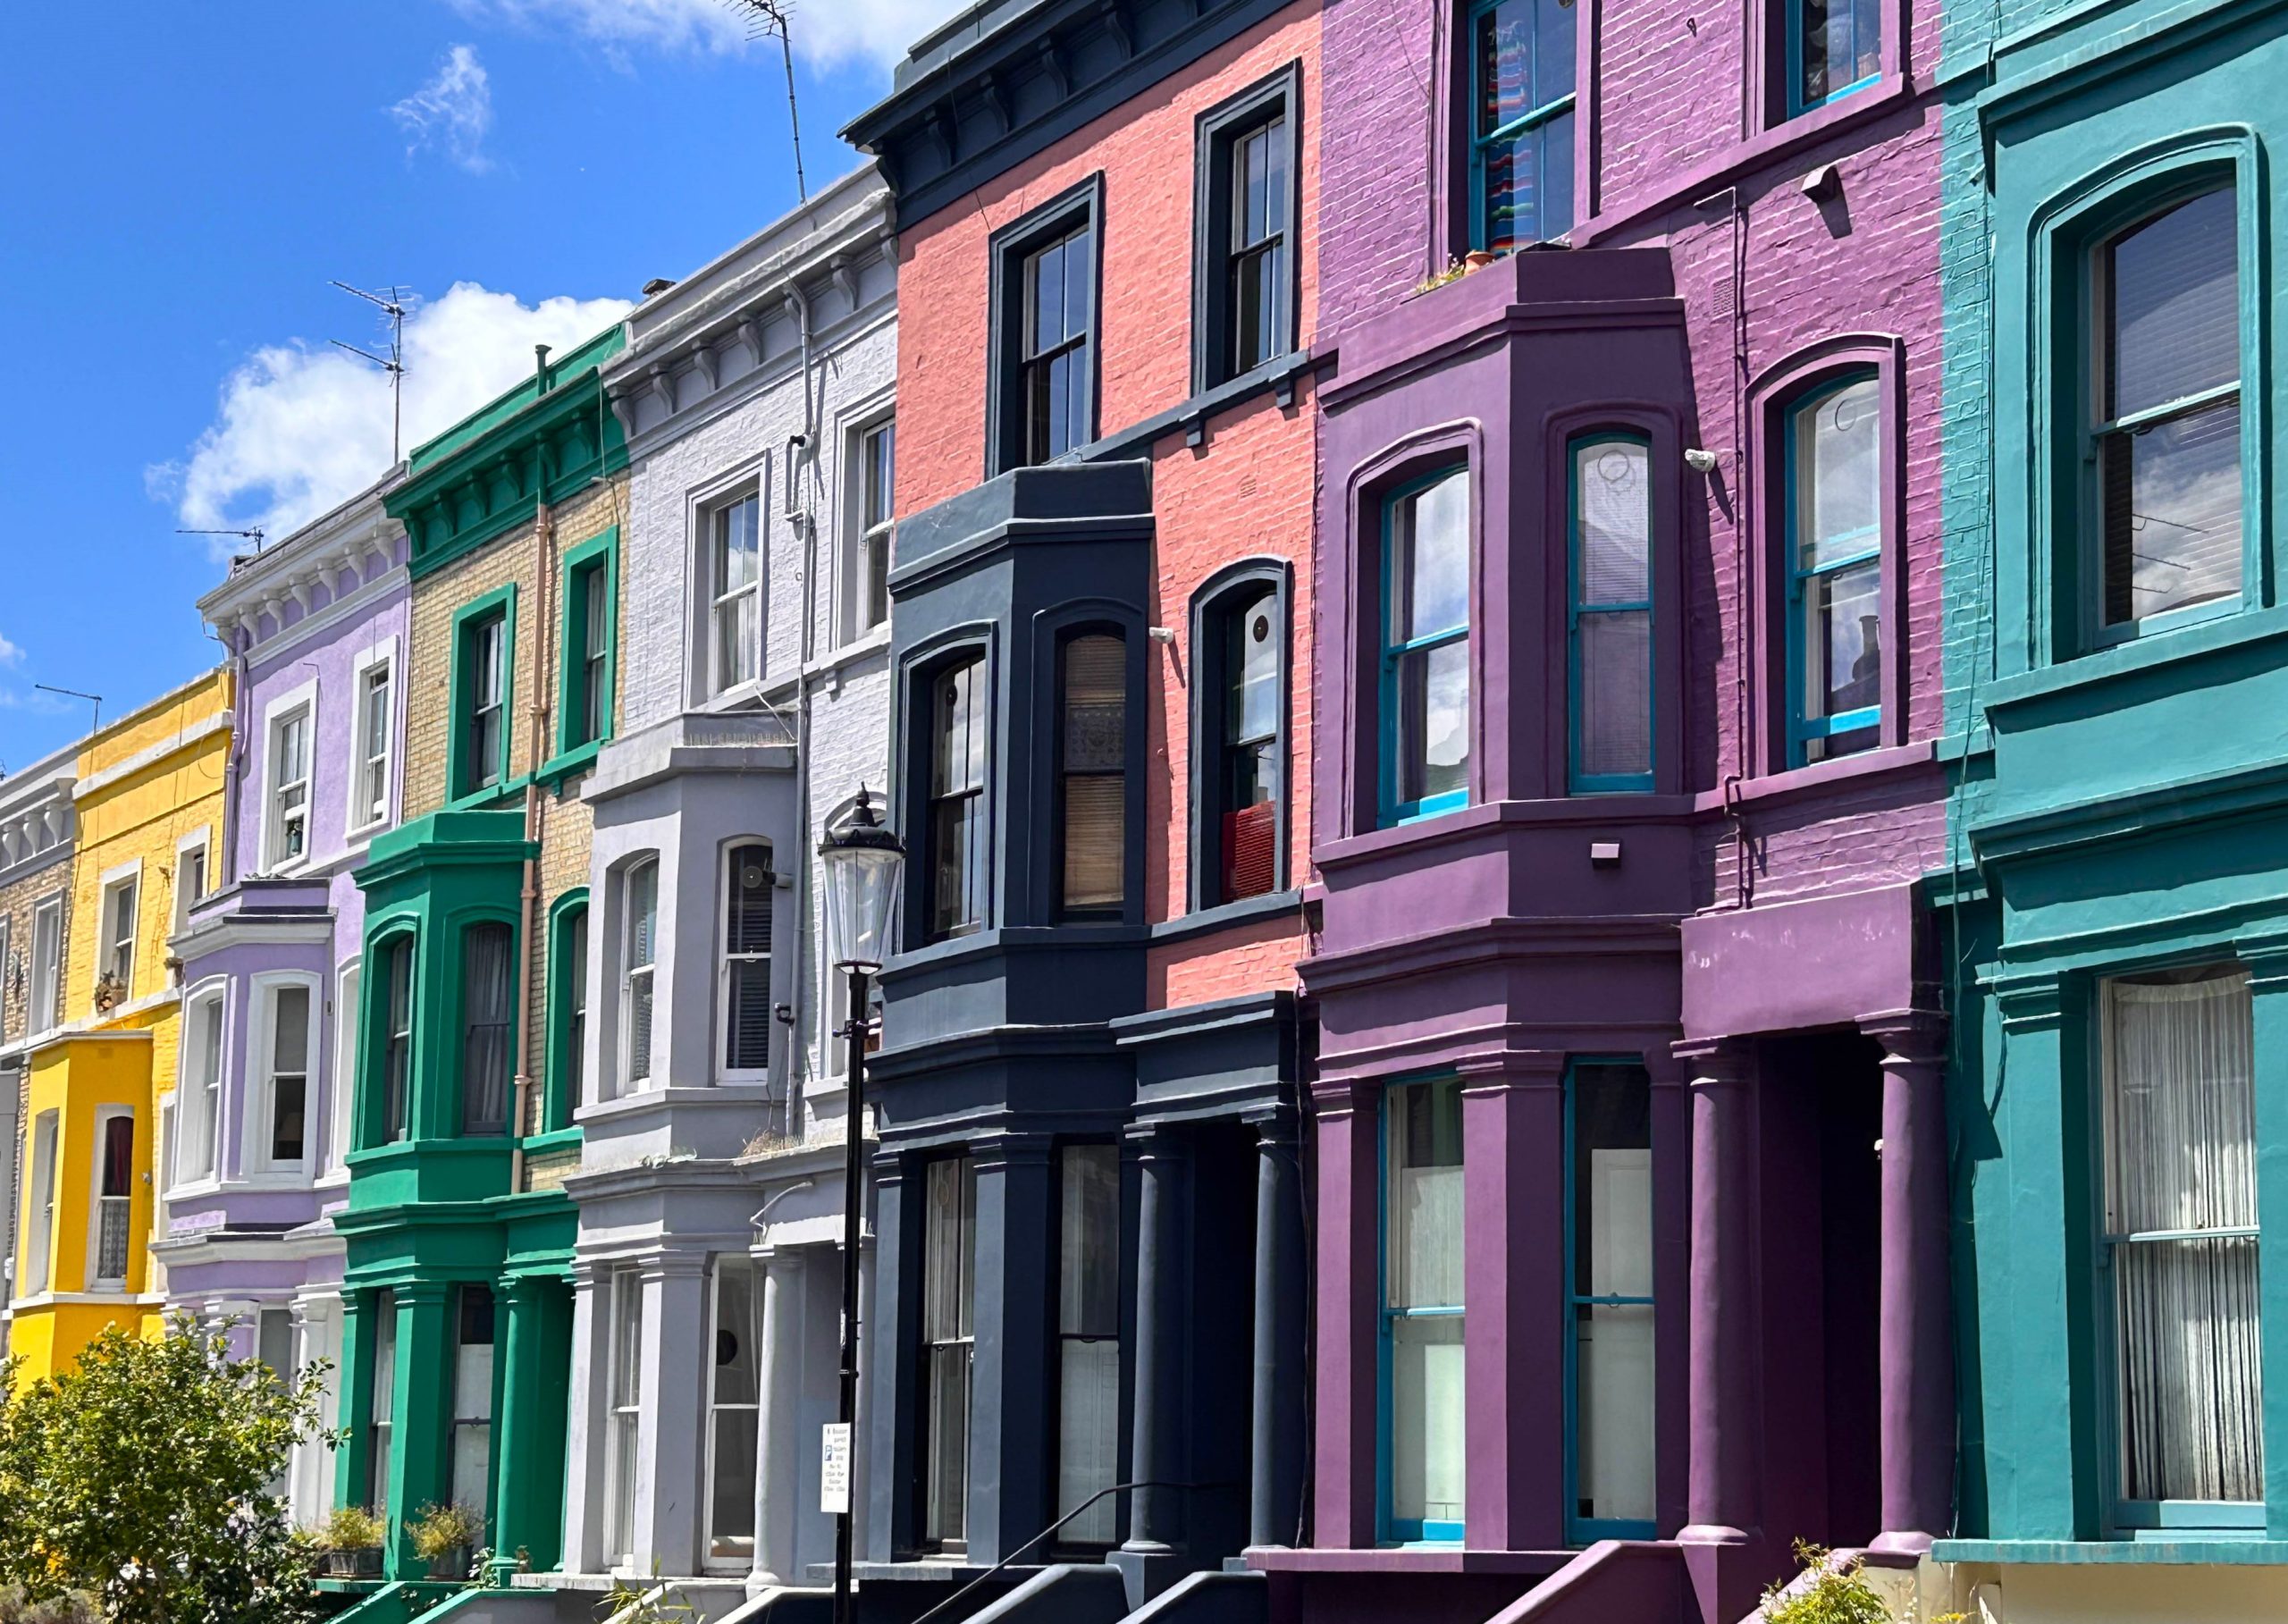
(254, 1147)
(1632, 1256)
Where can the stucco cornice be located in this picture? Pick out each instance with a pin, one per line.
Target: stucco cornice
(1491, 941)
(358, 537)
(151, 755)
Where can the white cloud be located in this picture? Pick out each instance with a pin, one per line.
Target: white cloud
(11, 653)
(829, 35)
(302, 427)
(452, 112)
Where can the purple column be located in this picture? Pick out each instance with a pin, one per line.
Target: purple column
(1720, 1490)
(1917, 1409)
(1342, 1510)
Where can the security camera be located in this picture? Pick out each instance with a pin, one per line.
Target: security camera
(1700, 461)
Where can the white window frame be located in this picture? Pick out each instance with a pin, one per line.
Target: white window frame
(628, 1080)
(105, 1114)
(380, 657)
(852, 576)
(274, 716)
(730, 1561)
(39, 1227)
(197, 843)
(349, 988)
(42, 1011)
(125, 876)
(262, 1031)
(749, 479)
(206, 1001)
(724, 1070)
(623, 1413)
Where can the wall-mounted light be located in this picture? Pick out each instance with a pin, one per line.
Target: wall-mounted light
(1700, 461)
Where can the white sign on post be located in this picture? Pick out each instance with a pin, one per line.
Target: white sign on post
(834, 1469)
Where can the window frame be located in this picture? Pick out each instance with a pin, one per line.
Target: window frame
(199, 844)
(1078, 207)
(579, 671)
(460, 1415)
(469, 622)
(626, 1081)
(260, 1059)
(923, 678)
(1216, 134)
(568, 980)
(374, 1128)
(41, 1197)
(1389, 1528)
(382, 1345)
(1474, 144)
(126, 878)
(1578, 782)
(341, 1136)
(1392, 812)
(381, 658)
(1062, 1339)
(623, 1411)
(858, 581)
(930, 1536)
(733, 1561)
(1232, 590)
(7, 941)
(298, 704)
(206, 1007)
(1062, 640)
(1580, 1531)
(50, 909)
(1802, 729)
(104, 1115)
(725, 959)
(708, 509)
(1791, 14)
(465, 927)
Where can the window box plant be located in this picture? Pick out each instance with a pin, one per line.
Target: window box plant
(349, 1544)
(442, 1535)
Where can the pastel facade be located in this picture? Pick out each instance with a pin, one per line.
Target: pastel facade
(457, 1236)
(147, 808)
(1089, 1214)
(259, 1129)
(2113, 506)
(1614, 1297)
(757, 395)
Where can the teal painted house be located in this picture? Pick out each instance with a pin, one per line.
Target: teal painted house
(2115, 906)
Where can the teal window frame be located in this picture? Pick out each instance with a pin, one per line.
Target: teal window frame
(1483, 141)
(371, 1126)
(467, 619)
(1390, 1529)
(1797, 105)
(1587, 1530)
(1392, 809)
(561, 1099)
(462, 927)
(580, 564)
(1579, 781)
(1802, 729)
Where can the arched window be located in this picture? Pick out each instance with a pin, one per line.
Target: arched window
(955, 873)
(1092, 749)
(1610, 620)
(746, 979)
(487, 1000)
(395, 1071)
(1834, 541)
(1426, 709)
(1240, 647)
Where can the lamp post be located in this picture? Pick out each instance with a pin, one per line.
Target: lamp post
(863, 865)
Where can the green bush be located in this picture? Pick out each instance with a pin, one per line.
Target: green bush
(440, 1529)
(1835, 1595)
(350, 1529)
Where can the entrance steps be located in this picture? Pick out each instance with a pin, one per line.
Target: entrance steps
(1615, 1581)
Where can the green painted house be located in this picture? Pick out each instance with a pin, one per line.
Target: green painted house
(2114, 925)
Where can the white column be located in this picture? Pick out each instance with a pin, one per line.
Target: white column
(583, 1463)
(318, 1335)
(779, 1447)
(674, 1396)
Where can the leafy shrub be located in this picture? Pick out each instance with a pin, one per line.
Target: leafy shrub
(440, 1529)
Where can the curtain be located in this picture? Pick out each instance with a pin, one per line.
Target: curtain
(2181, 1130)
(484, 1052)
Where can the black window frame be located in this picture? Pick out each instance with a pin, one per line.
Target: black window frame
(1218, 130)
(973, 657)
(1233, 590)
(1078, 207)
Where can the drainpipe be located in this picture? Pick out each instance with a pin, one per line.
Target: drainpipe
(536, 743)
(234, 764)
(798, 1042)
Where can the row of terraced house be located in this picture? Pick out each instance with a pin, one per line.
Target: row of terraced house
(1563, 682)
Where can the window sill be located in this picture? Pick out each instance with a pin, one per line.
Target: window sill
(1228, 915)
(1279, 375)
(2180, 1547)
(1796, 782)
(2136, 655)
(555, 1139)
(849, 654)
(491, 795)
(574, 761)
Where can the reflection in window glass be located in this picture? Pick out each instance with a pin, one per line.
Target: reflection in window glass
(1425, 657)
(1088, 1436)
(1521, 154)
(1834, 458)
(1612, 615)
(1610, 1272)
(1426, 1454)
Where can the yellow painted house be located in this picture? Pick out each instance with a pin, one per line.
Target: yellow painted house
(150, 805)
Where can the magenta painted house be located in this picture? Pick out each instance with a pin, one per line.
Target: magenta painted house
(253, 1153)
(1631, 1245)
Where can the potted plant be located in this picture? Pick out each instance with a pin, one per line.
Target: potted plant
(443, 1534)
(349, 1543)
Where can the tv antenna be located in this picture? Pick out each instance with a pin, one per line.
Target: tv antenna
(766, 18)
(95, 699)
(253, 533)
(393, 305)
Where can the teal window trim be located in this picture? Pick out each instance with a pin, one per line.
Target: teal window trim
(558, 1102)
(369, 1118)
(1393, 811)
(1797, 105)
(1607, 783)
(599, 552)
(453, 1037)
(1390, 1529)
(501, 601)
(1802, 729)
(1483, 141)
(1586, 1530)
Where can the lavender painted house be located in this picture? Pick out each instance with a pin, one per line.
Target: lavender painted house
(254, 1146)
(1631, 1246)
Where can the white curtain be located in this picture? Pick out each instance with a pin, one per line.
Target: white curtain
(2181, 1157)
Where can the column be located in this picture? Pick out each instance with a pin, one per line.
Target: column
(420, 1415)
(1275, 1496)
(355, 1400)
(528, 1432)
(2267, 963)
(316, 1317)
(1513, 1299)
(1011, 1393)
(887, 1352)
(779, 1424)
(1344, 1454)
(585, 1488)
(1916, 1408)
(676, 1362)
(1720, 1490)
(1156, 1515)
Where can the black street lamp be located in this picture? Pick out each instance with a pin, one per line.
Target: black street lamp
(863, 865)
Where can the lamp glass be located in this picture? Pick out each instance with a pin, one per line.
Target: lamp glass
(862, 881)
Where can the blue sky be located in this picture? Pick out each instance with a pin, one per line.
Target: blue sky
(182, 182)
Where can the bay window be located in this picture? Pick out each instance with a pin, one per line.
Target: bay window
(2168, 440)
(283, 1077)
(745, 984)
(397, 1038)
(1609, 1277)
(1425, 1454)
(1425, 650)
(1611, 618)
(1088, 1374)
(488, 999)
(40, 1245)
(198, 1118)
(955, 873)
(948, 1347)
(2179, 1240)
(1833, 474)
(1521, 128)
(114, 1197)
(1092, 783)
(735, 593)
(639, 946)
